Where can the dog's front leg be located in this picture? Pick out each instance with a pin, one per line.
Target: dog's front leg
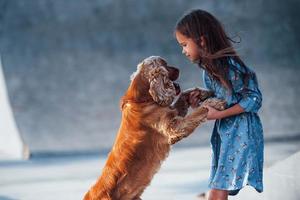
(177, 127)
(182, 104)
(181, 127)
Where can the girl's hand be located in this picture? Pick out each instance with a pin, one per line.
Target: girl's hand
(213, 113)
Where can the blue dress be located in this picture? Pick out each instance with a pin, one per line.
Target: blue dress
(237, 141)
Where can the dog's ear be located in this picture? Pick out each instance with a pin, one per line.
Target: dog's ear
(162, 88)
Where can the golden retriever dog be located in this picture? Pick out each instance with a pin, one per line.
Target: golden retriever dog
(149, 125)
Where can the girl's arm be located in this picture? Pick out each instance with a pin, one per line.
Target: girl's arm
(216, 114)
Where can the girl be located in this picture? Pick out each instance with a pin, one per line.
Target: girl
(237, 138)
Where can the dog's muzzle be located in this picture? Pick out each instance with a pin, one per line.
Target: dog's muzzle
(173, 75)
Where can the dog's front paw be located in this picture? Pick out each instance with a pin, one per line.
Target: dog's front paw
(216, 103)
(176, 138)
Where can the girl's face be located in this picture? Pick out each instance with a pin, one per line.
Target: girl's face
(189, 48)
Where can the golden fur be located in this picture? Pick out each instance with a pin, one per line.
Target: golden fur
(148, 128)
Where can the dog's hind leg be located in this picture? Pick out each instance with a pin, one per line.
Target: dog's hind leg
(137, 198)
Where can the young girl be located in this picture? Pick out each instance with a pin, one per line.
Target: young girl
(237, 138)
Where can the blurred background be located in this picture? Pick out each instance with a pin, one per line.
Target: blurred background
(67, 64)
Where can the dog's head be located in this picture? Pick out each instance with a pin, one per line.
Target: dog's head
(160, 77)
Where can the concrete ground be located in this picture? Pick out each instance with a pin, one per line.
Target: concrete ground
(182, 176)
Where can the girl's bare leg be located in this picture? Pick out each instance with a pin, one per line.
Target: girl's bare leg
(215, 194)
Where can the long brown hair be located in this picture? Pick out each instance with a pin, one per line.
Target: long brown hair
(218, 49)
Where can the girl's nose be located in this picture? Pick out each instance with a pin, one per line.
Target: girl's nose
(183, 51)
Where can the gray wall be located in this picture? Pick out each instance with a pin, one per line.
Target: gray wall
(67, 63)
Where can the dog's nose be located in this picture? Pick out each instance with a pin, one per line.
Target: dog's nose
(173, 73)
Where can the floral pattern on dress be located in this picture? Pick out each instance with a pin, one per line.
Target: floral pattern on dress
(237, 141)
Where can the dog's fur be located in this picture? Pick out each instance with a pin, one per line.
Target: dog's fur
(149, 126)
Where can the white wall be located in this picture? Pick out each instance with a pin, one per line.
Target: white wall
(11, 144)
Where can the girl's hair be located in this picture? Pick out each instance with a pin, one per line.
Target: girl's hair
(218, 49)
